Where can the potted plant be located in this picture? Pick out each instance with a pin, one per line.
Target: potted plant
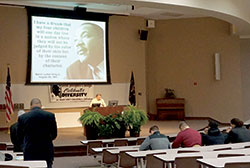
(134, 118)
(121, 130)
(108, 126)
(91, 121)
(112, 126)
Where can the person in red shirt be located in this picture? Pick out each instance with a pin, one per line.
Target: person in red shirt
(187, 137)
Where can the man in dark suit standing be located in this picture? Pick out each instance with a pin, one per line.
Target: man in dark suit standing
(38, 129)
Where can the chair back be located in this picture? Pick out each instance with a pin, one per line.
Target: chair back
(94, 144)
(125, 160)
(8, 166)
(3, 146)
(237, 165)
(109, 158)
(186, 151)
(229, 155)
(152, 162)
(139, 141)
(187, 162)
(220, 149)
(121, 142)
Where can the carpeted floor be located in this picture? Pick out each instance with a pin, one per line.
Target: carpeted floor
(77, 162)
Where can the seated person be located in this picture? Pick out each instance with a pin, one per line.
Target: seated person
(238, 132)
(98, 100)
(187, 137)
(155, 141)
(213, 135)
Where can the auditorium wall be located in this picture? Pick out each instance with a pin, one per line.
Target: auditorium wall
(180, 56)
(126, 54)
(245, 73)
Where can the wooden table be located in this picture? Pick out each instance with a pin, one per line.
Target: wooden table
(108, 110)
(170, 108)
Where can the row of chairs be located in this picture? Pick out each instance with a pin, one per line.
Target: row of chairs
(117, 142)
(126, 161)
(183, 162)
(109, 159)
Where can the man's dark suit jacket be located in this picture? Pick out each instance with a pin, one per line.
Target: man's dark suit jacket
(17, 142)
(39, 129)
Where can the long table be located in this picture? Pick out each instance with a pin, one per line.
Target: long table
(108, 141)
(220, 162)
(170, 158)
(140, 155)
(30, 164)
(116, 149)
(18, 160)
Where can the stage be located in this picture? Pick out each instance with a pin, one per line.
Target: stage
(73, 136)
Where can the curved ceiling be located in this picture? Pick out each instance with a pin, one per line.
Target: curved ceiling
(232, 11)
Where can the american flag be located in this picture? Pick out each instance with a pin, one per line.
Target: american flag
(8, 98)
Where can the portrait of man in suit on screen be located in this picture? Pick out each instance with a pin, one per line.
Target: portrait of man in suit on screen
(89, 47)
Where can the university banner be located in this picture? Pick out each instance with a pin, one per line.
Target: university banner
(69, 93)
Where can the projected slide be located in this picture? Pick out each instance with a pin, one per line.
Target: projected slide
(68, 50)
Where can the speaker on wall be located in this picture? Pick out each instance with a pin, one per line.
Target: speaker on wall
(217, 66)
(79, 10)
(143, 34)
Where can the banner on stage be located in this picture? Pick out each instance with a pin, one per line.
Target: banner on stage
(70, 93)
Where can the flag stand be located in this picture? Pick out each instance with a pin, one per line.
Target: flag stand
(8, 131)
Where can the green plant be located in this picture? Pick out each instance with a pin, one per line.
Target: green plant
(108, 126)
(134, 118)
(91, 118)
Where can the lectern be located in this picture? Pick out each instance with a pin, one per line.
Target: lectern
(170, 109)
(108, 110)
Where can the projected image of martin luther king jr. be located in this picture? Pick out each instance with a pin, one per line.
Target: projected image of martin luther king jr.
(89, 46)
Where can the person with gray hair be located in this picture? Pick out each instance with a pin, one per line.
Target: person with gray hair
(187, 137)
(16, 141)
(38, 129)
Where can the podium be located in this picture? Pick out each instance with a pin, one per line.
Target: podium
(107, 110)
(170, 109)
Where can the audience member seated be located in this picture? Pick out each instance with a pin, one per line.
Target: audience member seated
(155, 141)
(238, 132)
(16, 141)
(187, 137)
(213, 135)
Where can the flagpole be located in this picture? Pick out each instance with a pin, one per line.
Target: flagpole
(8, 99)
(8, 122)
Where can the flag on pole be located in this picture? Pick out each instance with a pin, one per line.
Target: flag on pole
(132, 99)
(8, 98)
